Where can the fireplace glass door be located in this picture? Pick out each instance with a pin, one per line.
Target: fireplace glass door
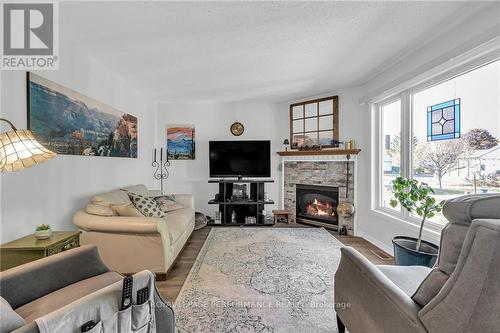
(317, 203)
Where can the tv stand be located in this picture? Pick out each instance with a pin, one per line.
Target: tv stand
(253, 205)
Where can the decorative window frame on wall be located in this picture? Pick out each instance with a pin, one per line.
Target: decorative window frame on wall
(490, 52)
(303, 114)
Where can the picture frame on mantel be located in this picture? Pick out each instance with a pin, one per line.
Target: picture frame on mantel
(315, 122)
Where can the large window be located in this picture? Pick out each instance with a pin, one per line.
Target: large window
(452, 137)
(391, 136)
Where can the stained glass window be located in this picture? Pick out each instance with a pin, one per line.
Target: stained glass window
(443, 121)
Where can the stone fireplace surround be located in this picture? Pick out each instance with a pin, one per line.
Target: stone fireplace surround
(319, 170)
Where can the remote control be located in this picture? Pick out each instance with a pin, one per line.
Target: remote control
(142, 295)
(88, 326)
(128, 283)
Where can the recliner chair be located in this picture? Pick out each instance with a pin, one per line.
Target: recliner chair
(37, 288)
(460, 294)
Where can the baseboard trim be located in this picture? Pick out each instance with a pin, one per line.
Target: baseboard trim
(376, 242)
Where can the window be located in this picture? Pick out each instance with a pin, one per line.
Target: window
(391, 136)
(448, 137)
(314, 122)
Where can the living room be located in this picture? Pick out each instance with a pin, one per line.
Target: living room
(332, 94)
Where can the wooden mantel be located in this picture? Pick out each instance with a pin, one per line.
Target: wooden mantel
(334, 151)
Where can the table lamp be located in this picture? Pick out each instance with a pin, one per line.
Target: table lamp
(19, 149)
(286, 143)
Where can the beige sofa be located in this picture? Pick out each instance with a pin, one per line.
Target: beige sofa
(131, 244)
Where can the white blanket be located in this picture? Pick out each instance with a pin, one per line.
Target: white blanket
(103, 307)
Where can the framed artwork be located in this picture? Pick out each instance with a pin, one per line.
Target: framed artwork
(443, 121)
(180, 142)
(70, 123)
(315, 122)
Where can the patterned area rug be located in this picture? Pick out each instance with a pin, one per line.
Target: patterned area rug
(261, 280)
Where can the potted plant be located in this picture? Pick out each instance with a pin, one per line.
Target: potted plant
(415, 197)
(43, 231)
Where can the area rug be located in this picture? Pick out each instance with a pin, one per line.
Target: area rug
(261, 280)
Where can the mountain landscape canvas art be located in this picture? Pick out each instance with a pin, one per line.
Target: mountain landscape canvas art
(70, 123)
(180, 142)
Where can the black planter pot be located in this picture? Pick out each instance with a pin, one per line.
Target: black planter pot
(405, 253)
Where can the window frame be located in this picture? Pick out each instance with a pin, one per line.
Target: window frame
(381, 148)
(406, 96)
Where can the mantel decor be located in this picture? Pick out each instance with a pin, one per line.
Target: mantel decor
(315, 122)
(335, 151)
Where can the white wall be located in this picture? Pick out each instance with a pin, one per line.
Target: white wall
(51, 192)
(262, 121)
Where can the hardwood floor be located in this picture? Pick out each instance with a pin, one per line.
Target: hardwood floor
(171, 288)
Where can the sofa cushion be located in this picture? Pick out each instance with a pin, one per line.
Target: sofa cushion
(139, 189)
(66, 295)
(466, 208)
(146, 205)
(111, 198)
(9, 319)
(99, 210)
(178, 221)
(126, 210)
(407, 278)
(167, 203)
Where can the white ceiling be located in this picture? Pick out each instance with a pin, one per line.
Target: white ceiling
(266, 51)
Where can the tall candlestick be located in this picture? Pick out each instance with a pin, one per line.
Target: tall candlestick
(160, 168)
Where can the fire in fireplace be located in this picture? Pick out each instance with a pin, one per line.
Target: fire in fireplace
(317, 203)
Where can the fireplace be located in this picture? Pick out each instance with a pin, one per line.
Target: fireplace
(317, 203)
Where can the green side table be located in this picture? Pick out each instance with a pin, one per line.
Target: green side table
(26, 249)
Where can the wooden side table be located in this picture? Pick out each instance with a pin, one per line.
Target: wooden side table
(282, 214)
(26, 249)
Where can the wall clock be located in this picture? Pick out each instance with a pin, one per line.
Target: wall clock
(237, 129)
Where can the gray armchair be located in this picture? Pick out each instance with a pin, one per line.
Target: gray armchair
(460, 294)
(42, 286)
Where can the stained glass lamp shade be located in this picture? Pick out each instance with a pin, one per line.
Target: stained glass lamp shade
(19, 149)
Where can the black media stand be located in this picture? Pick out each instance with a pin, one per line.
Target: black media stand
(251, 206)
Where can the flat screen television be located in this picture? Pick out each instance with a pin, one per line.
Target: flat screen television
(240, 158)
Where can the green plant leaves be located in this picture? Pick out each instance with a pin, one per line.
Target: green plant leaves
(415, 196)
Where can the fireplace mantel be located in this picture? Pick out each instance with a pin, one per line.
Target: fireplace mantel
(323, 152)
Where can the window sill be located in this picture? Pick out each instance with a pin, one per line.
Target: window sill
(430, 227)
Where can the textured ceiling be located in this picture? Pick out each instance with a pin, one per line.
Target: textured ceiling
(267, 51)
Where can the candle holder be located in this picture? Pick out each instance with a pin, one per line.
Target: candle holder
(161, 172)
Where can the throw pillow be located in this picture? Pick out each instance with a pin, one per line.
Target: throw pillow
(167, 203)
(126, 210)
(99, 210)
(9, 319)
(146, 205)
